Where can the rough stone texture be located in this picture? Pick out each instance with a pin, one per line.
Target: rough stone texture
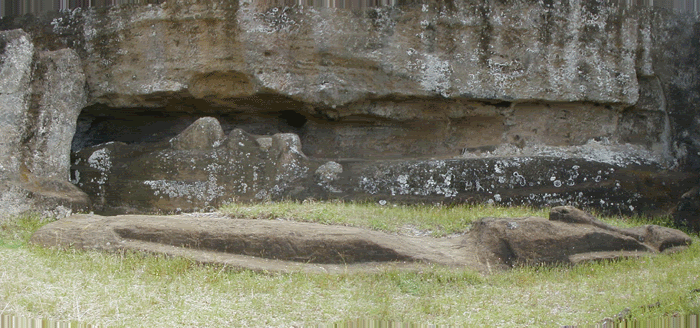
(60, 89)
(534, 181)
(687, 213)
(129, 178)
(418, 102)
(16, 57)
(678, 74)
(205, 133)
(327, 174)
(517, 50)
(275, 245)
(255, 244)
(207, 173)
(569, 236)
(41, 96)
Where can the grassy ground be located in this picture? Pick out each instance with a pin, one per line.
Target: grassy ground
(436, 220)
(134, 290)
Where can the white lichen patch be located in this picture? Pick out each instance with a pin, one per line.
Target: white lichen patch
(603, 151)
(434, 73)
(101, 161)
(15, 64)
(201, 191)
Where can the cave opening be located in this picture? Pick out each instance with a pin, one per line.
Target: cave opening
(98, 123)
(372, 129)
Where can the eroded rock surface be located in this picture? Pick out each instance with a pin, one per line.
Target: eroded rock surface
(270, 245)
(569, 237)
(199, 169)
(186, 104)
(41, 96)
(202, 168)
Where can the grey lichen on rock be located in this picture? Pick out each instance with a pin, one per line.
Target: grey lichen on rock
(329, 172)
(201, 168)
(62, 92)
(240, 140)
(41, 95)
(568, 104)
(265, 143)
(15, 77)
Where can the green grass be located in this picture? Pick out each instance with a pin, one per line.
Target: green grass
(135, 290)
(436, 220)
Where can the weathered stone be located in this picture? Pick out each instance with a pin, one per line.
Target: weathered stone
(265, 143)
(569, 237)
(388, 51)
(240, 140)
(268, 245)
(410, 100)
(61, 90)
(275, 245)
(50, 196)
(687, 213)
(329, 172)
(124, 178)
(660, 238)
(159, 178)
(205, 133)
(678, 74)
(16, 58)
(37, 123)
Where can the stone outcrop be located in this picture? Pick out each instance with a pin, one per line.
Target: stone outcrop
(41, 95)
(201, 168)
(569, 237)
(335, 57)
(189, 104)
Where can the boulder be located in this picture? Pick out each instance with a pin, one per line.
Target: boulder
(327, 174)
(205, 133)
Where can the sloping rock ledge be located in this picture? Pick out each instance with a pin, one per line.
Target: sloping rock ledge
(570, 236)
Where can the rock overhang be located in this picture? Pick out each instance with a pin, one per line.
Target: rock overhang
(424, 50)
(429, 84)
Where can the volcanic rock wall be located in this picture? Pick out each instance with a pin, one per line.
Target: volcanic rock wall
(554, 102)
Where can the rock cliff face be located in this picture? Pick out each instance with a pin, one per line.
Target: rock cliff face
(41, 96)
(503, 101)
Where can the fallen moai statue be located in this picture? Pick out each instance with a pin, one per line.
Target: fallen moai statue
(570, 236)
